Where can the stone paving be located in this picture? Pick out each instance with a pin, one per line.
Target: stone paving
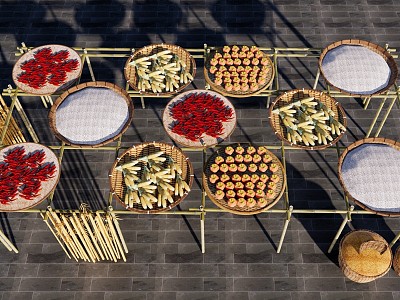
(164, 260)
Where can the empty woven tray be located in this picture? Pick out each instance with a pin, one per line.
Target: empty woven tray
(91, 114)
(358, 68)
(205, 140)
(47, 69)
(23, 172)
(369, 171)
(132, 77)
(118, 186)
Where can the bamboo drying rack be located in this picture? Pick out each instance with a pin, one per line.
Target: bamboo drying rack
(274, 90)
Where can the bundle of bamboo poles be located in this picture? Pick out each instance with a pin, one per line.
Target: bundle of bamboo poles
(87, 235)
(13, 134)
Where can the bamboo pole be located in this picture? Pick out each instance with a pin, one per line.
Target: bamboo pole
(7, 243)
(83, 216)
(339, 232)
(117, 227)
(378, 112)
(389, 109)
(99, 237)
(115, 236)
(89, 64)
(71, 232)
(106, 237)
(85, 241)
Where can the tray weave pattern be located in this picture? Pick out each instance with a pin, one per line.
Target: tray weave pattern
(367, 264)
(47, 187)
(222, 203)
(358, 68)
(47, 89)
(117, 184)
(295, 95)
(206, 140)
(396, 261)
(368, 172)
(131, 74)
(209, 77)
(91, 114)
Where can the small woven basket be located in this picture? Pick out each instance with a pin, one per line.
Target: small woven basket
(396, 261)
(377, 140)
(131, 74)
(295, 95)
(222, 203)
(364, 256)
(117, 184)
(209, 77)
(373, 47)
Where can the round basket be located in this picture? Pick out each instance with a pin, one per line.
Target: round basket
(205, 140)
(117, 184)
(396, 261)
(353, 66)
(46, 187)
(91, 114)
(46, 70)
(364, 180)
(211, 189)
(295, 95)
(364, 256)
(133, 79)
(210, 78)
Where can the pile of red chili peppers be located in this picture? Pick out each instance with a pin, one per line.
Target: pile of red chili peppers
(198, 114)
(22, 174)
(47, 67)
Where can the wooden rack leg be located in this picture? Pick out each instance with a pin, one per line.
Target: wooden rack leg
(285, 227)
(202, 231)
(397, 237)
(142, 101)
(339, 232)
(316, 79)
(366, 102)
(44, 101)
(378, 112)
(386, 116)
(89, 65)
(7, 243)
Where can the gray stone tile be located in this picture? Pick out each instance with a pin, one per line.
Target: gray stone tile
(163, 270)
(111, 284)
(89, 295)
(146, 284)
(128, 270)
(341, 295)
(76, 284)
(17, 295)
(269, 295)
(387, 284)
(161, 295)
(233, 296)
(183, 284)
(40, 284)
(59, 270)
(124, 295)
(196, 295)
(324, 284)
(289, 284)
(253, 284)
(306, 295)
(22, 270)
(57, 295)
(268, 270)
(93, 270)
(198, 270)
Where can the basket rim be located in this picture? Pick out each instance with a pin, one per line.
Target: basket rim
(65, 87)
(56, 163)
(168, 46)
(321, 93)
(190, 144)
(91, 84)
(225, 92)
(371, 46)
(190, 175)
(372, 140)
(238, 211)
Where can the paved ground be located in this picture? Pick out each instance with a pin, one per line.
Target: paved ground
(164, 261)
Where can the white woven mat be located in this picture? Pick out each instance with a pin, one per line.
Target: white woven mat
(371, 174)
(91, 115)
(356, 69)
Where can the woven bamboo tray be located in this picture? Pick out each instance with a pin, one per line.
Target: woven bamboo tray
(47, 187)
(117, 184)
(130, 71)
(396, 261)
(206, 140)
(294, 95)
(238, 94)
(360, 202)
(48, 88)
(222, 203)
(364, 256)
(370, 46)
(98, 113)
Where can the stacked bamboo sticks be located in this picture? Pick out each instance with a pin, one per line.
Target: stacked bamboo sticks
(87, 235)
(12, 134)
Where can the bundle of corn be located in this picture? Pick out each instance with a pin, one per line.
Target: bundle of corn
(87, 235)
(309, 121)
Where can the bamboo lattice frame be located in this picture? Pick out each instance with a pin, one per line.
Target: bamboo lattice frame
(13, 133)
(277, 53)
(391, 143)
(207, 141)
(237, 94)
(95, 84)
(118, 187)
(130, 71)
(295, 95)
(384, 53)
